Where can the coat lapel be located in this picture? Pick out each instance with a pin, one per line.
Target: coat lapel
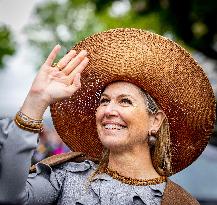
(176, 195)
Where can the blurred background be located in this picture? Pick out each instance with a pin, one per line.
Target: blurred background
(30, 28)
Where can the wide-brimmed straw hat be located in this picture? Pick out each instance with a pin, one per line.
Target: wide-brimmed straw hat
(160, 67)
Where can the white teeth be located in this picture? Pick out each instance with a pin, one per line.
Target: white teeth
(113, 126)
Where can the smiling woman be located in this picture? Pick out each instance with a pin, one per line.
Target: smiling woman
(125, 122)
(142, 111)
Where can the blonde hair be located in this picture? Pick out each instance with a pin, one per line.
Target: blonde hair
(102, 164)
(161, 152)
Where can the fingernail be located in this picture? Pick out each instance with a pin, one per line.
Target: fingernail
(84, 52)
(73, 51)
(58, 45)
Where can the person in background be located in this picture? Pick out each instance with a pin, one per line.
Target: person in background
(49, 144)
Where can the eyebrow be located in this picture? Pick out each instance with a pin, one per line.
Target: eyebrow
(122, 95)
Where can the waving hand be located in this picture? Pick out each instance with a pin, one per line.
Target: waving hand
(55, 81)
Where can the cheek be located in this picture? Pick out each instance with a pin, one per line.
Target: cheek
(140, 120)
(99, 115)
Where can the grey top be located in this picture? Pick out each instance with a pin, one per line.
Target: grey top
(66, 184)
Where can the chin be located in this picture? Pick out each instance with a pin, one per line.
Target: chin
(113, 142)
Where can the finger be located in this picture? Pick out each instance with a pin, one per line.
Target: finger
(75, 62)
(66, 59)
(76, 84)
(52, 55)
(78, 69)
(77, 80)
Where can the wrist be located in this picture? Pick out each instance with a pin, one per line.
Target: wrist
(25, 122)
(34, 106)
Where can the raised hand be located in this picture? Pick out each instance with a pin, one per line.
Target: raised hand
(53, 83)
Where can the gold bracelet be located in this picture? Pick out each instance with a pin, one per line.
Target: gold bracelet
(27, 123)
(28, 119)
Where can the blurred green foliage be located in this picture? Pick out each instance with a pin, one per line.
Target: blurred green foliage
(63, 23)
(192, 23)
(7, 44)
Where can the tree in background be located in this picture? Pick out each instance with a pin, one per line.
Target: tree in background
(7, 45)
(192, 23)
(67, 22)
(62, 22)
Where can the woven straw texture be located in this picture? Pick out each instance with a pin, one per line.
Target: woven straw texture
(159, 66)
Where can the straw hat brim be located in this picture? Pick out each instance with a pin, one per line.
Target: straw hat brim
(158, 65)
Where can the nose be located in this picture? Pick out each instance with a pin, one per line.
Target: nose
(111, 110)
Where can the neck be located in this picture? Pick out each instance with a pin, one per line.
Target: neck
(134, 163)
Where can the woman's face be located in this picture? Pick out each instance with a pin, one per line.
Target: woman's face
(122, 118)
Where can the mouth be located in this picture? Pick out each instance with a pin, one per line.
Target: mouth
(114, 126)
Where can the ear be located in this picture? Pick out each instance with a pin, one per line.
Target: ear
(157, 120)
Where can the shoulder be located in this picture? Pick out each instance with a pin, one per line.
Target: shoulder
(70, 168)
(63, 159)
(176, 195)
